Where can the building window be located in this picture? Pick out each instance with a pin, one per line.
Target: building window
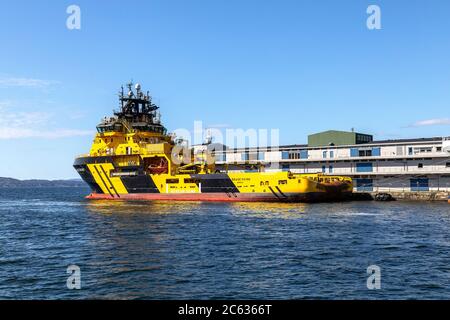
(330, 169)
(410, 151)
(420, 165)
(304, 154)
(260, 155)
(324, 154)
(353, 152)
(324, 169)
(419, 184)
(253, 156)
(285, 167)
(331, 154)
(365, 153)
(364, 185)
(220, 157)
(285, 155)
(294, 155)
(376, 152)
(447, 164)
(423, 150)
(438, 149)
(364, 167)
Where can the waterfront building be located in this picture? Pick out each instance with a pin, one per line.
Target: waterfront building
(401, 167)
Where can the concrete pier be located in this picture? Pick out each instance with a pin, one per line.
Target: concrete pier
(407, 196)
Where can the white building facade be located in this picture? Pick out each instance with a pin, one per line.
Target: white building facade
(407, 165)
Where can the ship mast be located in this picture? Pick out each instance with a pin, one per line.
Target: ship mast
(136, 103)
(137, 112)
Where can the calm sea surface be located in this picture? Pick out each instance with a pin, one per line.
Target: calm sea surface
(145, 250)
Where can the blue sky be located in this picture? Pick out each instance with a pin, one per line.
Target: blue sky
(300, 66)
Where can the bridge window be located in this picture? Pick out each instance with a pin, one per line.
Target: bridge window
(172, 180)
(282, 182)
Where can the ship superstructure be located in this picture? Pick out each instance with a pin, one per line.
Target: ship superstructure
(134, 158)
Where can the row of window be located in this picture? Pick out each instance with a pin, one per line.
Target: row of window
(416, 184)
(252, 156)
(365, 152)
(368, 166)
(418, 150)
(364, 138)
(292, 155)
(330, 154)
(360, 167)
(286, 167)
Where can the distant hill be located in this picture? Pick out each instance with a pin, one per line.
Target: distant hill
(35, 183)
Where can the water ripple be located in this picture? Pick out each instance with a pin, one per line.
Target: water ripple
(195, 250)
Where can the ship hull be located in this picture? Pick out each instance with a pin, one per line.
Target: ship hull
(109, 181)
(225, 197)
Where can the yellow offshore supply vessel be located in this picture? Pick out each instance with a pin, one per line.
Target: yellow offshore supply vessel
(133, 158)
